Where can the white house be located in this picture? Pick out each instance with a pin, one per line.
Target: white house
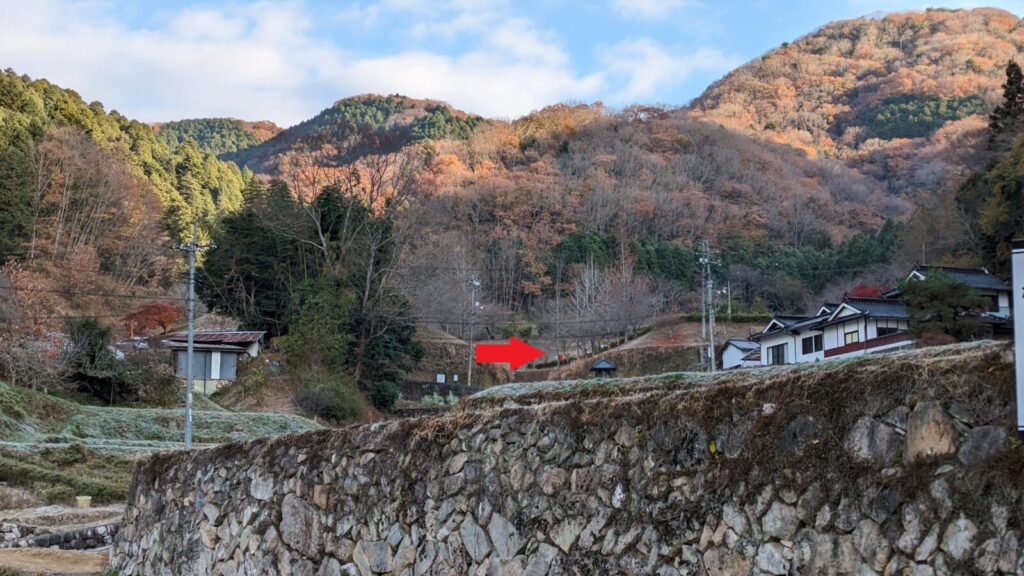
(737, 353)
(858, 326)
(861, 326)
(215, 355)
(792, 339)
(853, 327)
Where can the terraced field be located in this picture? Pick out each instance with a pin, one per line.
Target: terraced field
(58, 449)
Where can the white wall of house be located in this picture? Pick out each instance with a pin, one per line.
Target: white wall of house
(732, 357)
(215, 365)
(865, 329)
(1004, 303)
(253, 350)
(835, 335)
(877, 328)
(816, 348)
(779, 339)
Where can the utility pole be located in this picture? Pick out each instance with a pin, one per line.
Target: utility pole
(728, 294)
(711, 310)
(191, 248)
(708, 303)
(1017, 309)
(703, 292)
(474, 284)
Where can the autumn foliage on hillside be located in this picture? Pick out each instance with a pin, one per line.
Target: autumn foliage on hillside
(901, 97)
(818, 168)
(92, 206)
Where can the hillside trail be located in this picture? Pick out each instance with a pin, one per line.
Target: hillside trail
(531, 375)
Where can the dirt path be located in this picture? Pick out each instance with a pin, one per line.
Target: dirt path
(39, 561)
(59, 518)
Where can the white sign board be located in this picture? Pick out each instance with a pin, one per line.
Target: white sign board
(1017, 301)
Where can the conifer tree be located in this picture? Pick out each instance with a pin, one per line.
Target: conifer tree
(1005, 118)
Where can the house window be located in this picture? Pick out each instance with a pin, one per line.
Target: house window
(851, 337)
(812, 344)
(777, 354)
(886, 327)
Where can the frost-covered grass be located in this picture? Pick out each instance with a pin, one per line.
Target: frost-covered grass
(58, 448)
(34, 417)
(538, 392)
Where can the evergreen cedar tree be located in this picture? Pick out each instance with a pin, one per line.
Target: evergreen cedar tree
(942, 304)
(993, 198)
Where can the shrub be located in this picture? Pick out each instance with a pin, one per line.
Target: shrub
(150, 380)
(12, 498)
(519, 330)
(333, 400)
(253, 379)
(383, 395)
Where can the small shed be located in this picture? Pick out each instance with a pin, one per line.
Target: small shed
(216, 355)
(603, 367)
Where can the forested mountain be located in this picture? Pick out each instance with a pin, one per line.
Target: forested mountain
(901, 98)
(406, 119)
(863, 145)
(92, 202)
(216, 135)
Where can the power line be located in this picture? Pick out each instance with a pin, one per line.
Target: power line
(97, 294)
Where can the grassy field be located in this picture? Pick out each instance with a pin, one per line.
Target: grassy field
(57, 448)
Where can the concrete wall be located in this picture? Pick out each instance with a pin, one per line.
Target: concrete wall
(899, 464)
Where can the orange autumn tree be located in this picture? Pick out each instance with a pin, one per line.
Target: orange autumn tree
(867, 291)
(162, 314)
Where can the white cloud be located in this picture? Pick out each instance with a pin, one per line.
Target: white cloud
(648, 68)
(262, 60)
(648, 9)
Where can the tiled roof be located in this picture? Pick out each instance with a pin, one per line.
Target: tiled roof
(743, 344)
(788, 321)
(974, 277)
(879, 307)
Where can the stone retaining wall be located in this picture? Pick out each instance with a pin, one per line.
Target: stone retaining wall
(895, 465)
(86, 538)
(11, 533)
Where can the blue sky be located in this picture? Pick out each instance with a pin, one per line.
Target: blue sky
(286, 60)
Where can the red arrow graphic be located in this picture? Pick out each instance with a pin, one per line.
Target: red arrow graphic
(516, 353)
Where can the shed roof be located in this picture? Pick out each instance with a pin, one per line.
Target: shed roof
(603, 364)
(220, 337)
(205, 346)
